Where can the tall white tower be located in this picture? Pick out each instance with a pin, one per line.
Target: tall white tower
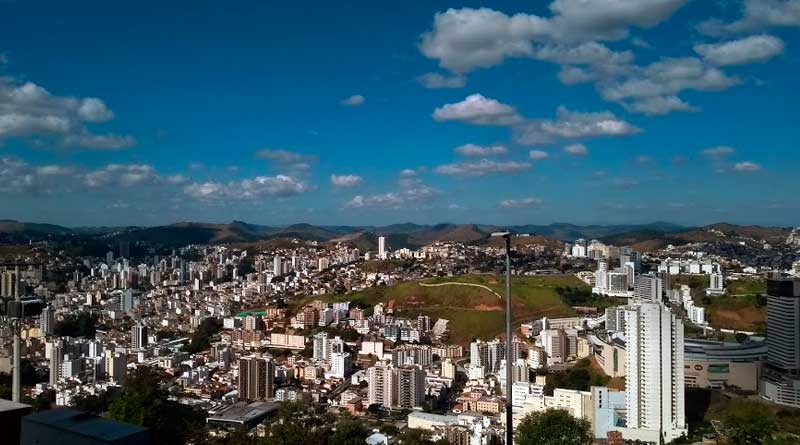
(654, 387)
(382, 254)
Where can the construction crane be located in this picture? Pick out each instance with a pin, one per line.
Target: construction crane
(16, 310)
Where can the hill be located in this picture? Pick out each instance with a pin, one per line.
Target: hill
(651, 239)
(473, 311)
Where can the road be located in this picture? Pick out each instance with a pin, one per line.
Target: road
(454, 283)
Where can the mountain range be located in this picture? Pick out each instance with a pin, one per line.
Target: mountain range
(644, 236)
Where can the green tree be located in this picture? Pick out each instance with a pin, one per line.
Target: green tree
(348, 431)
(201, 338)
(749, 423)
(553, 427)
(145, 403)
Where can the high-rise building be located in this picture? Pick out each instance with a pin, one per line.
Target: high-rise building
(654, 385)
(382, 253)
(716, 285)
(781, 379)
(448, 369)
(487, 354)
(322, 350)
(382, 389)
(116, 366)
(783, 325)
(341, 364)
(648, 287)
(277, 266)
(56, 358)
(138, 336)
(256, 378)
(47, 321)
(410, 386)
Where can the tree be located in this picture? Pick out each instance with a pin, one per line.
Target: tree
(348, 431)
(553, 427)
(81, 325)
(145, 403)
(749, 424)
(201, 338)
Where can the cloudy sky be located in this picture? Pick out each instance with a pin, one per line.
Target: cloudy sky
(583, 111)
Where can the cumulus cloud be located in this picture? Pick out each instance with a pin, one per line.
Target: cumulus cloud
(521, 202)
(436, 80)
(759, 48)
(248, 189)
(477, 150)
(576, 150)
(345, 181)
(479, 110)
(353, 101)
(572, 125)
(660, 105)
(284, 156)
(719, 151)
(662, 80)
(412, 192)
(466, 39)
(481, 168)
(28, 110)
(538, 155)
(757, 15)
(746, 166)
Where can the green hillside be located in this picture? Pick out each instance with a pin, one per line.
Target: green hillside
(473, 312)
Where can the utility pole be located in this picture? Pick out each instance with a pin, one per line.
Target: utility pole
(509, 344)
(16, 379)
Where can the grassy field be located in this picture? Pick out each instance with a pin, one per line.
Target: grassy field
(703, 406)
(473, 312)
(740, 308)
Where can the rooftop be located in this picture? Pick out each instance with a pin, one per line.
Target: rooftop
(8, 405)
(78, 422)
(242, 412)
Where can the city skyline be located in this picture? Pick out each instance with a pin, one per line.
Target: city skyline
(364, 114)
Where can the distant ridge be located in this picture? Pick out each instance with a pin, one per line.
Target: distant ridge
(365, 237)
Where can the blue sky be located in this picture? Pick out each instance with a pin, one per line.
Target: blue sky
(583, 111)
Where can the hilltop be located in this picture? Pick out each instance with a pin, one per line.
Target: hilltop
(473, 312)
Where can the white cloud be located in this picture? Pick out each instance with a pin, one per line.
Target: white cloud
(538, 155)
(436, 80)
(661, 105)
(576, 150)
(719, 151)
(28, 110)
(481, 168)
(521, 202)
(746, 166)
(571, 75)
(408, 173)
(297, 163)
(759, 48)
(412, 192)
(477, 150)
(99, 141)
(756, 15)
(652, 89)
(466, 39)
(248, 189)
(572, 125)
(346, 181)
(479, 110)
(353, 101)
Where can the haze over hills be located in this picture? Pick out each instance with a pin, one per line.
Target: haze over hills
(643, 236)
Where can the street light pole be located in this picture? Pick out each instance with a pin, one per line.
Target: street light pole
(509, 345)
(509, 349)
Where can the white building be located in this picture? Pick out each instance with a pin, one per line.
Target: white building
(382, 253)
(654, 385)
